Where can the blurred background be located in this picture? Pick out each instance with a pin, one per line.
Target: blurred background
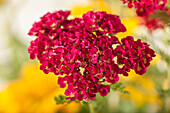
(26, 89)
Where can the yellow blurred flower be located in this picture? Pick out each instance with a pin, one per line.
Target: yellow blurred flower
(130, 24)
(156, 59)
(142, 89)
(98, 5)
(165, 85)
(1, 1)
(34, 92)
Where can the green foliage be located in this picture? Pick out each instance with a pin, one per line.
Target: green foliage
(163, 15)
(81, 70)
(61, 99)
(119, 87)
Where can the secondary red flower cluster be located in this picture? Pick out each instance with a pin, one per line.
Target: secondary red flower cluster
(158, 22)
(153, 24)
(145, 7)
(86, 51)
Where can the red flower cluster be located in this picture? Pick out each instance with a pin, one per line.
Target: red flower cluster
(153, 24)
(86, 51)
(145, 7)
(158, 22)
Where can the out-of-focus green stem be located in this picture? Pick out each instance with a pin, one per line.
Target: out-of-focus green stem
(168, 75)
(168, 1)
(167, 5)
(91, 107)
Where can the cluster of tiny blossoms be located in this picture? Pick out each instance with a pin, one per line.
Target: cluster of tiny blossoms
(145, 7)
(152, 24)
(85, 52)
(158, 22)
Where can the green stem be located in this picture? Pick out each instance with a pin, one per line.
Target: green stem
(91, 107)
(167, 6)
(168, 73)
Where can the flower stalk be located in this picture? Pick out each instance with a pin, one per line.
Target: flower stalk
(91, 107)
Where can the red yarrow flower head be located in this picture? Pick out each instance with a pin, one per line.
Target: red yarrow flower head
(85, 52)
(158, 22)
(145, 7)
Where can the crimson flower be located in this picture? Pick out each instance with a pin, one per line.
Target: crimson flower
(157, 22)
(145, 7)
(85, 52)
